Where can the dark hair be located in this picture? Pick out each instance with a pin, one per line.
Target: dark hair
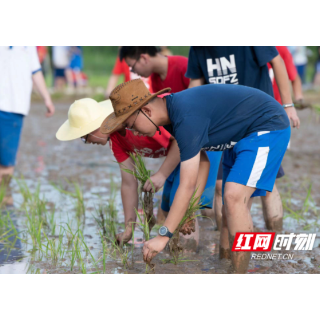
(134, 52)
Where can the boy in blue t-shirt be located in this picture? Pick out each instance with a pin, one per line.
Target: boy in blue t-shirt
(252, 128)
(244, 65)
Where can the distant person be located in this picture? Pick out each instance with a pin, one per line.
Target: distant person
(19, 68)
(74, 71)
(60, 61)
(121, 68)
(165, 51)
(300, 59)
(292, 75)
(163, 71)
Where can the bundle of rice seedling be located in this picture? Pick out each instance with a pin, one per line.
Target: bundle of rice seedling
(141, 173)
(188, 218)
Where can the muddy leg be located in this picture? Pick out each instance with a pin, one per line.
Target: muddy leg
(218, 204)
(236, 199)
(224, 247)
(272, 210)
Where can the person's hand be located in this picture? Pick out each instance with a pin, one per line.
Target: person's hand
(189, 226)
(292, 114)
(125, 236)
(50, 108)
(158, 180)
(152, 247)
(301, 104)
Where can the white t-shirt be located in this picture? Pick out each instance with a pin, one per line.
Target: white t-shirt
(17, 65)
(60, 57)
(299, 54)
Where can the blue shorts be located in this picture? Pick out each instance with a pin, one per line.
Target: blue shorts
(10, 129)
(255, 160)
(172, 183)
(59, 73)
(280, 173)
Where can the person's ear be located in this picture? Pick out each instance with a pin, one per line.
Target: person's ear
(147, 110)
(145, 58)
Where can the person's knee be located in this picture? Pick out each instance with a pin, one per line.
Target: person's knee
(231, 197)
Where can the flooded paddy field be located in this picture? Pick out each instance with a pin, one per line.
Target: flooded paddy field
(61, 189)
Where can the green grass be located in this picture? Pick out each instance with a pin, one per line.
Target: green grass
(301, 215)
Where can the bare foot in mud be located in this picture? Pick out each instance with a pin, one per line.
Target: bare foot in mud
(189, 226)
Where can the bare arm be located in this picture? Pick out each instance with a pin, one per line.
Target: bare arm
(169, 164)
(188, 179)
(196, 82)
(111, 84)
(39, 83)
(130, 199)
(281, 76)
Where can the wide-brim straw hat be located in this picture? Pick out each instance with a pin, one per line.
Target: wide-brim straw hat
(126, 98)
(84, 116)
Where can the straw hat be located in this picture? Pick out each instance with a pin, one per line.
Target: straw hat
(126, 98)
(84, 116)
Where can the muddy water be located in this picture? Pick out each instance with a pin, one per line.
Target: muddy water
(42, 159)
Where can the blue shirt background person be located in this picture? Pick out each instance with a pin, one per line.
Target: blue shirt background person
(244, 65)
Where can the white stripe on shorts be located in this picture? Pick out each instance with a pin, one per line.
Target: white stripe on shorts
(258, 166)
(260, 133)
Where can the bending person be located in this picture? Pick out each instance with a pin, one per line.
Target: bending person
(250, 126)
(84, 120)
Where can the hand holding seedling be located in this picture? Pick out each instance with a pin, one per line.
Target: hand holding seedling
(152, 247)
(158, 180)
(189, 226)
(125, 236)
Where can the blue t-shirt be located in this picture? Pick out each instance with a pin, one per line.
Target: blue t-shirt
(242, 65)
(215, 118)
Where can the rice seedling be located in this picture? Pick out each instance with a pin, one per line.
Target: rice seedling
(300, 215)
(3, 190)
(314, 107)
(144, 226)
(174, 245)
(55, 248)
(77, 195)
(34, 228)
(106, 219)
(141, 173)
